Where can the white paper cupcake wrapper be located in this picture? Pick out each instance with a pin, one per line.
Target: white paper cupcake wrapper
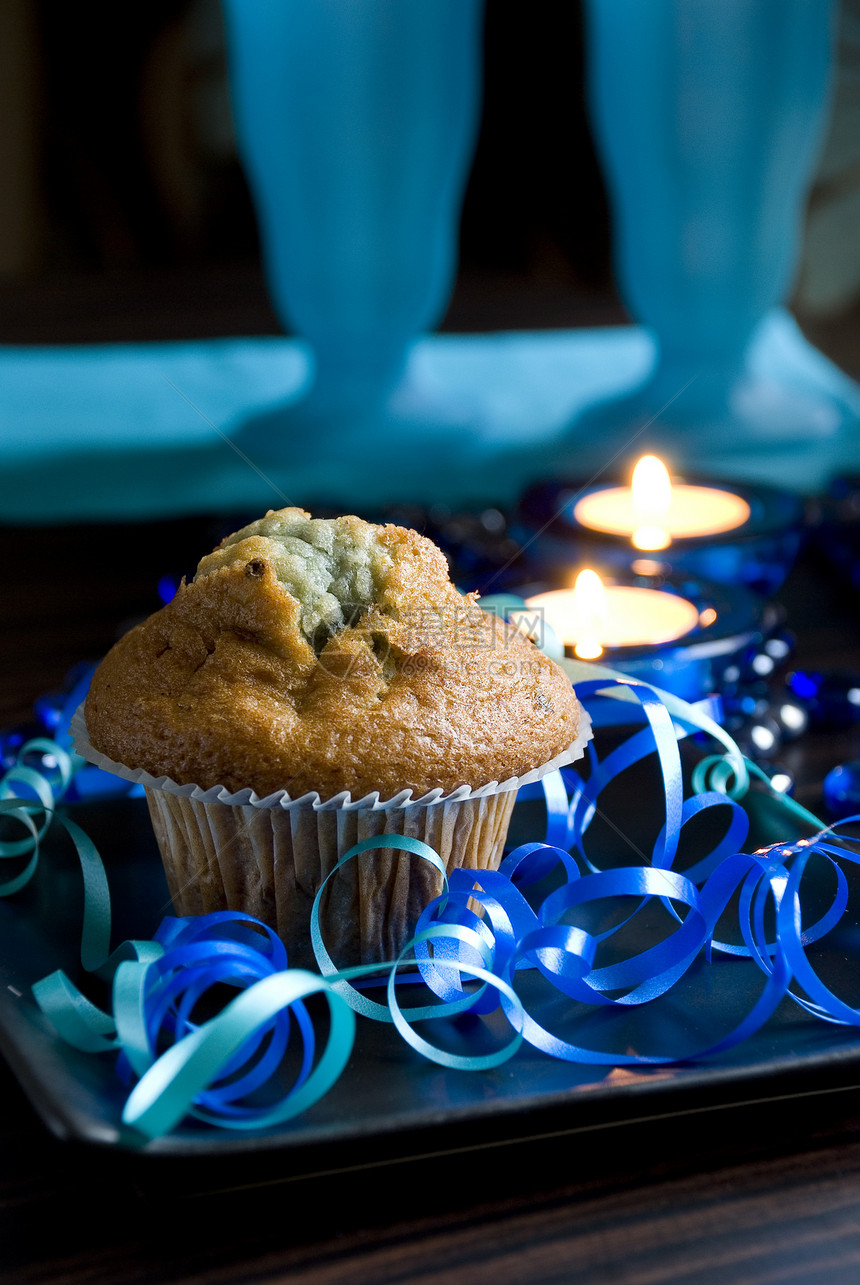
(339, 802)
(268, 857)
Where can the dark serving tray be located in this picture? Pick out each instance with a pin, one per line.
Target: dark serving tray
(390, 1104)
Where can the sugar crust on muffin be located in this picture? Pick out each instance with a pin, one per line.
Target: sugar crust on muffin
(325, 655)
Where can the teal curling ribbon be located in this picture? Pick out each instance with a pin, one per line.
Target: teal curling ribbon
(182, 963)
(46, 769)
(470, 944)
(29, 797)
(471, 935)
(210, 1068)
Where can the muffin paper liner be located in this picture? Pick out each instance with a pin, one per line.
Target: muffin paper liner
(268, 856)
(338, 802)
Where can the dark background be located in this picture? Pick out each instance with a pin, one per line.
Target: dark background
(124, 180)
(124, 213)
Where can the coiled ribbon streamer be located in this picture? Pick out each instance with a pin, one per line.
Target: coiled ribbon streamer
(469, 944)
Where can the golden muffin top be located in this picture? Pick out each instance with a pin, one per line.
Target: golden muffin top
(313, 654)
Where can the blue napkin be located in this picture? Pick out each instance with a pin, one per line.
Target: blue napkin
(134, 431)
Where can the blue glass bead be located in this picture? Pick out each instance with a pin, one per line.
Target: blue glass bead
(804, 684)
(791, 715)
(832, 699)
(754, 700)
(758, 736)
(842, 790)
(49, 710)
(11, 740)
(730, 678)
(780, 646)
(167, 587)
(780, 778)
(766, 657)
(761, 664)
(758, 701)
(747, 699)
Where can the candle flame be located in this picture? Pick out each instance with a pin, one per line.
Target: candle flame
(651, 487)
(589, 597)
(651, 491)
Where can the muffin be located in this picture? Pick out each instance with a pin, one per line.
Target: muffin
(318, 682)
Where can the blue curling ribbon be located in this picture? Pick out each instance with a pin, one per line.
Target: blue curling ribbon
(471, 935)
(155, 986)
(211, 1066)
(470, 943)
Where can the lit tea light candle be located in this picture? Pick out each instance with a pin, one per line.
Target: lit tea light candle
(728, 533)
(653, 511)
(593, 617)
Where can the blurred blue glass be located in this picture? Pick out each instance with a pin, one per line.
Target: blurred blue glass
(356, 122)
(708, 117)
